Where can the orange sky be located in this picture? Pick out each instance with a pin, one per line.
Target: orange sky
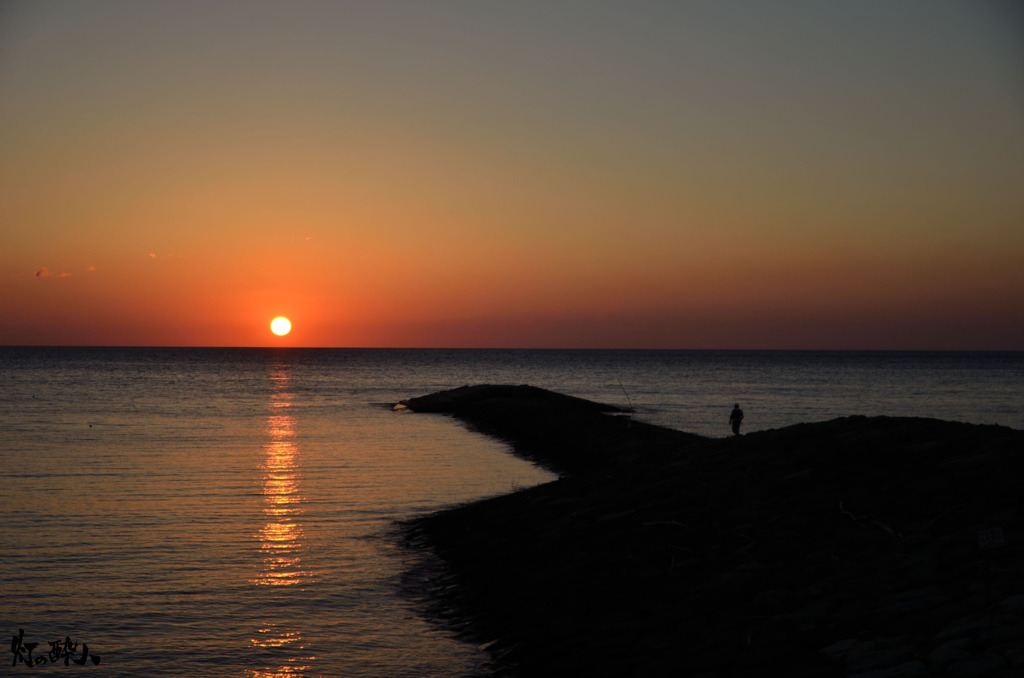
(714, 175)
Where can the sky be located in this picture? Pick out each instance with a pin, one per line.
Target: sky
(704, 174)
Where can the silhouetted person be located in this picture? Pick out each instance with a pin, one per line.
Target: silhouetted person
(735, 419)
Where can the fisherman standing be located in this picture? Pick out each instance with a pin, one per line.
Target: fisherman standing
(735, 419)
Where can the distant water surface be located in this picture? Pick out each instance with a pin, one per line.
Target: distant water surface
(229, 512)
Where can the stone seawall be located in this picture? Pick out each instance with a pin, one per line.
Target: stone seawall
(853, 547)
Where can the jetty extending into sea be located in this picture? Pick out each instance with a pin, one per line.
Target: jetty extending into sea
(869, 547)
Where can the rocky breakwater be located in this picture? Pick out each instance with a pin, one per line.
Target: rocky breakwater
(859, 546)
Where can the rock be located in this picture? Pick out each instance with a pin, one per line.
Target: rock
(981, 665)
(1015, 657)
(1013, 604)
(951, 651)
(880, 660)
(960, 628)
(905, 670)
(1002, 633)
(843, 648)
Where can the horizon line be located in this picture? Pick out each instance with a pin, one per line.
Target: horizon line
(517, 348)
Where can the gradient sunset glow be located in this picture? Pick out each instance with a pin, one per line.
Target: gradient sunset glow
(531, 174)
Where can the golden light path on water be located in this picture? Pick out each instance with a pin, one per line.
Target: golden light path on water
(281, 537)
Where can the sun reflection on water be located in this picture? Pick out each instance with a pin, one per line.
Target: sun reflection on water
(281, 540)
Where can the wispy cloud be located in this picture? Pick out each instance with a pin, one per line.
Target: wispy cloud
(45, 272)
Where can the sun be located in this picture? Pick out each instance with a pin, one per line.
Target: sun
(280, 326)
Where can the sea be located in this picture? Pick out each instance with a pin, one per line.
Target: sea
(235, 512)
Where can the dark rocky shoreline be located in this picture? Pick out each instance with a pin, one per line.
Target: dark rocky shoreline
(868, 547)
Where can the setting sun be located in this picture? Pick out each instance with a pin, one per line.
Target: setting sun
(280, 326)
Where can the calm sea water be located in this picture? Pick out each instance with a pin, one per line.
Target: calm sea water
(230, 512)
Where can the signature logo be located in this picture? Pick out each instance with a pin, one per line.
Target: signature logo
(59, 650)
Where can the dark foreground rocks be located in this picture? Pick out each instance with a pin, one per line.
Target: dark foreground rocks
(854, 547)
